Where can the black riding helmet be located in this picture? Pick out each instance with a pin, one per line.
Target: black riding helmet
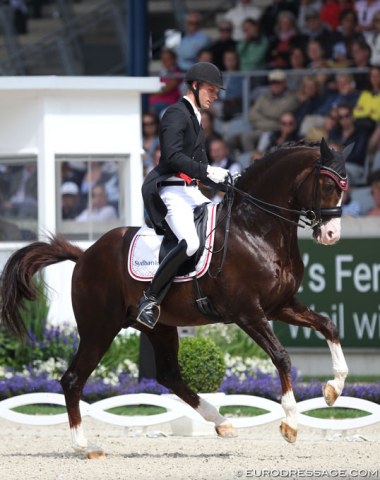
(203, 72)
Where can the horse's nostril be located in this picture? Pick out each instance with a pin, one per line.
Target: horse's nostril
(330, 234)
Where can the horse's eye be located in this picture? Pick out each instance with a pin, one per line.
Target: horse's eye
(328, 187)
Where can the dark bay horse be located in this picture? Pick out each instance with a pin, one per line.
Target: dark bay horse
(260, 277)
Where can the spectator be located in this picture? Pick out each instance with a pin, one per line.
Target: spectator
(156, 159)
(194, 40)
(150, 138)
(317, 55)
(70, 200)
(344, 36)
(375, 192)
(21, 199)
(98, 210)
(207, 122)
(286, 36)
(272, 12)
(345, 93)
(323, 129)
(243, 9)
(224, 43)
(287, 132)
(346, 133)
(264, 114)
(309, 97)
(170, 91)
(331, 10)
(318, 31)
(361, 54)
(373, 40)
(253, 48)
(367, 108)
(316, 132)
(373, 148)
(205, 55)
(366, 10)
(230, 103)
(304, 9)
(298, 61)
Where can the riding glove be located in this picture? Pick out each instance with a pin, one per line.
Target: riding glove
(217, 174)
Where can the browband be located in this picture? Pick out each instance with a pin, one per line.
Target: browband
(342, 182)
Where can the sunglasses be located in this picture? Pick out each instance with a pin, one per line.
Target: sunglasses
(149, 124)
(342, 117)
(287, 123)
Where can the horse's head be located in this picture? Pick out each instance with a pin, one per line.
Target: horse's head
(333, 182)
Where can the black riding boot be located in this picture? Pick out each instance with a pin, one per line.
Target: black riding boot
(149, 304)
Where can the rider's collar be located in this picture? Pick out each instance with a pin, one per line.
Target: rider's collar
(196, 111)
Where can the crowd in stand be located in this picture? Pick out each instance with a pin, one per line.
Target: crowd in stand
(336, 42)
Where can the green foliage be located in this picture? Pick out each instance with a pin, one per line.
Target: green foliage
(232, 340)
(122, 348)
(202, 364)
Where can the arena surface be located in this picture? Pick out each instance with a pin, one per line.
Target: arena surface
(45, 453)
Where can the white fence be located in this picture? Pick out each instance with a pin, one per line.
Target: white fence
(177, 409)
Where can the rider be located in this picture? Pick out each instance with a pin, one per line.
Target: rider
(170, 191)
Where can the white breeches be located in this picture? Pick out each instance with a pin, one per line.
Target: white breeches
(180, 202)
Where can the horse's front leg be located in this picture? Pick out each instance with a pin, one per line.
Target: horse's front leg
(262, 333)
(298, 314)
(164, 340)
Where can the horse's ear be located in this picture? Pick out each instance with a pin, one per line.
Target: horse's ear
(326, 153)
(347, 150)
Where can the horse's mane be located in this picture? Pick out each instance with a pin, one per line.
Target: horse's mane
(265, 163)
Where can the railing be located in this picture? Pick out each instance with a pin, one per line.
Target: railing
(177, 409)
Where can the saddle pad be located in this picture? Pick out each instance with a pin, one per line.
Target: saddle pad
(145, 248)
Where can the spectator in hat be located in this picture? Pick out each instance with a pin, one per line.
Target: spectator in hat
(70, 200)
(264, 115)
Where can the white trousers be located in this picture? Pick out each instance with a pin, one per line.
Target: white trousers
(180, 202)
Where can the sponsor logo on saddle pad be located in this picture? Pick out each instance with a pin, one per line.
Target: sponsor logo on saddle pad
(145, 247)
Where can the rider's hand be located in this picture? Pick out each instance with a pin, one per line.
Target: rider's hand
(217, 174)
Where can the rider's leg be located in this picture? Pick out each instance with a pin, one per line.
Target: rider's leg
(149, 305)
(180, 219)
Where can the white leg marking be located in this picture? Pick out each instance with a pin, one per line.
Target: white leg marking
(210, 413)
(340, 368)
(288, 403)
(78, 439)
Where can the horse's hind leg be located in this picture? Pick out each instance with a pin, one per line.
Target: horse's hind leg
(84, 363)
(164, 340)
(298, 314)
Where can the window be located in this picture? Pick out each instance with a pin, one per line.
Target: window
(18, 198)
(89, 191)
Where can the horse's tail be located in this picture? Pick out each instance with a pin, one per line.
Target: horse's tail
(17, 283)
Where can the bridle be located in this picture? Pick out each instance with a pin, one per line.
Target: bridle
(311, 218)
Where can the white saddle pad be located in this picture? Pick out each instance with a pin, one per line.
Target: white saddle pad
(145, 247)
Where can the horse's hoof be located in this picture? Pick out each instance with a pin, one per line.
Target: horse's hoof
(330, 394)
(226, 430)
(96, 454)
(289, 433)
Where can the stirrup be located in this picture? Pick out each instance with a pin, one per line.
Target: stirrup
(149, 313)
